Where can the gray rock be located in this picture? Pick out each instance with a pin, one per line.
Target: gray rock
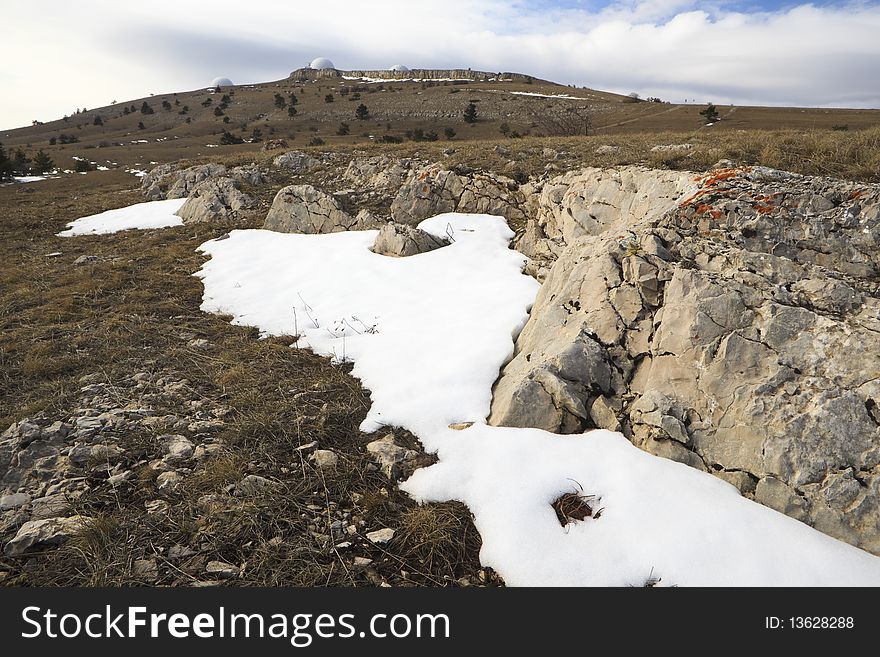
(296, 162)
(380, 536)
(14, 500)
(324, 458)
(433, 190)
(216, 199)
(94, 455)
(166, 182)
(177, 449)
(253, 485)
(43, 533)
(390, 457)
(304, 209)
(399, 240)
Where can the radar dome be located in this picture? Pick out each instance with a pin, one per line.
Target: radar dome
(321, 63)
(221, 82)
(398, 67)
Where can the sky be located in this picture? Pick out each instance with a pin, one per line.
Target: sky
(57, 55)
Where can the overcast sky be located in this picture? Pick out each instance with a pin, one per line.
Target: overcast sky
(58, 55)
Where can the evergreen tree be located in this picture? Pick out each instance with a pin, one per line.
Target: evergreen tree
(328, 98)
(42, 162)
(146, 109)
(20, 162)
(280, 103)
(5, 165)
(293, 99)
(362, 113)
(291, 110)
(470, 114)
(98, 120)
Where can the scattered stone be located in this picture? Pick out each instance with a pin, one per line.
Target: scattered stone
(14, 501)
(325, 458)
(222, 569)
(177, 448)
(380, 536)
(44, 533)
(253, 485)
(85, 259)
(390, 456)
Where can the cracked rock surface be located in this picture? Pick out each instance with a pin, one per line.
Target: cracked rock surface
(729, 321)
(216, 199)
(304, 209)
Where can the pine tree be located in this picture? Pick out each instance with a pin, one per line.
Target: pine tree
(20, 162)
(146, 109)
(362, 113)
(42, 162)
(98, 120)
(470, 114)
(280, 103)
(5, 165)
(291, 110)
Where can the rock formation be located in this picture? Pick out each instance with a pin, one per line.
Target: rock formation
(216, 199)
(734, 328)
(400, 240)
(304, 209)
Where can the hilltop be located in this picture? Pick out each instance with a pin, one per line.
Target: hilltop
(316, 106)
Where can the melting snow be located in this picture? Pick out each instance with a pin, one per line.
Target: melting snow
(153, 214)
(529, 93)
(427, 335)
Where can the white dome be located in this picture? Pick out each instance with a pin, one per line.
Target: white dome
(221, 82)
(398, 67)
(321, 63)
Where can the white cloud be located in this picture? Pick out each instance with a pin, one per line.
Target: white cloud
(59, 55)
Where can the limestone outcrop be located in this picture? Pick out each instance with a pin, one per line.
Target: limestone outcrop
(216, 199)
(735, 328)
(400, 240)
(304, 209)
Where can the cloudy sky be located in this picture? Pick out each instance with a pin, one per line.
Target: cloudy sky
(58, 55)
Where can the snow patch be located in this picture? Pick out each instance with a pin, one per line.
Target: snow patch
(152, 214)
(427, 335)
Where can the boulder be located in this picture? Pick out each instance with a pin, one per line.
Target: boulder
(304, 209)
(433, 190)
(44, 533)
(217, 199)
(296, 162)
(165, 181)
(400, 240)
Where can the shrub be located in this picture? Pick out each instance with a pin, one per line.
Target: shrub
(5, 165)
(53, 141)
(228, 138)
(449, 133)
(98, 120)
(362, 113)
(343, 129)
(291, 110)
(83, 165)
(470, 113)
(504, 129)
(166, 106)
(328, 98)
(146, 109)
(280, 103)
(390, 139)
(218, 111)
(316, 141)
